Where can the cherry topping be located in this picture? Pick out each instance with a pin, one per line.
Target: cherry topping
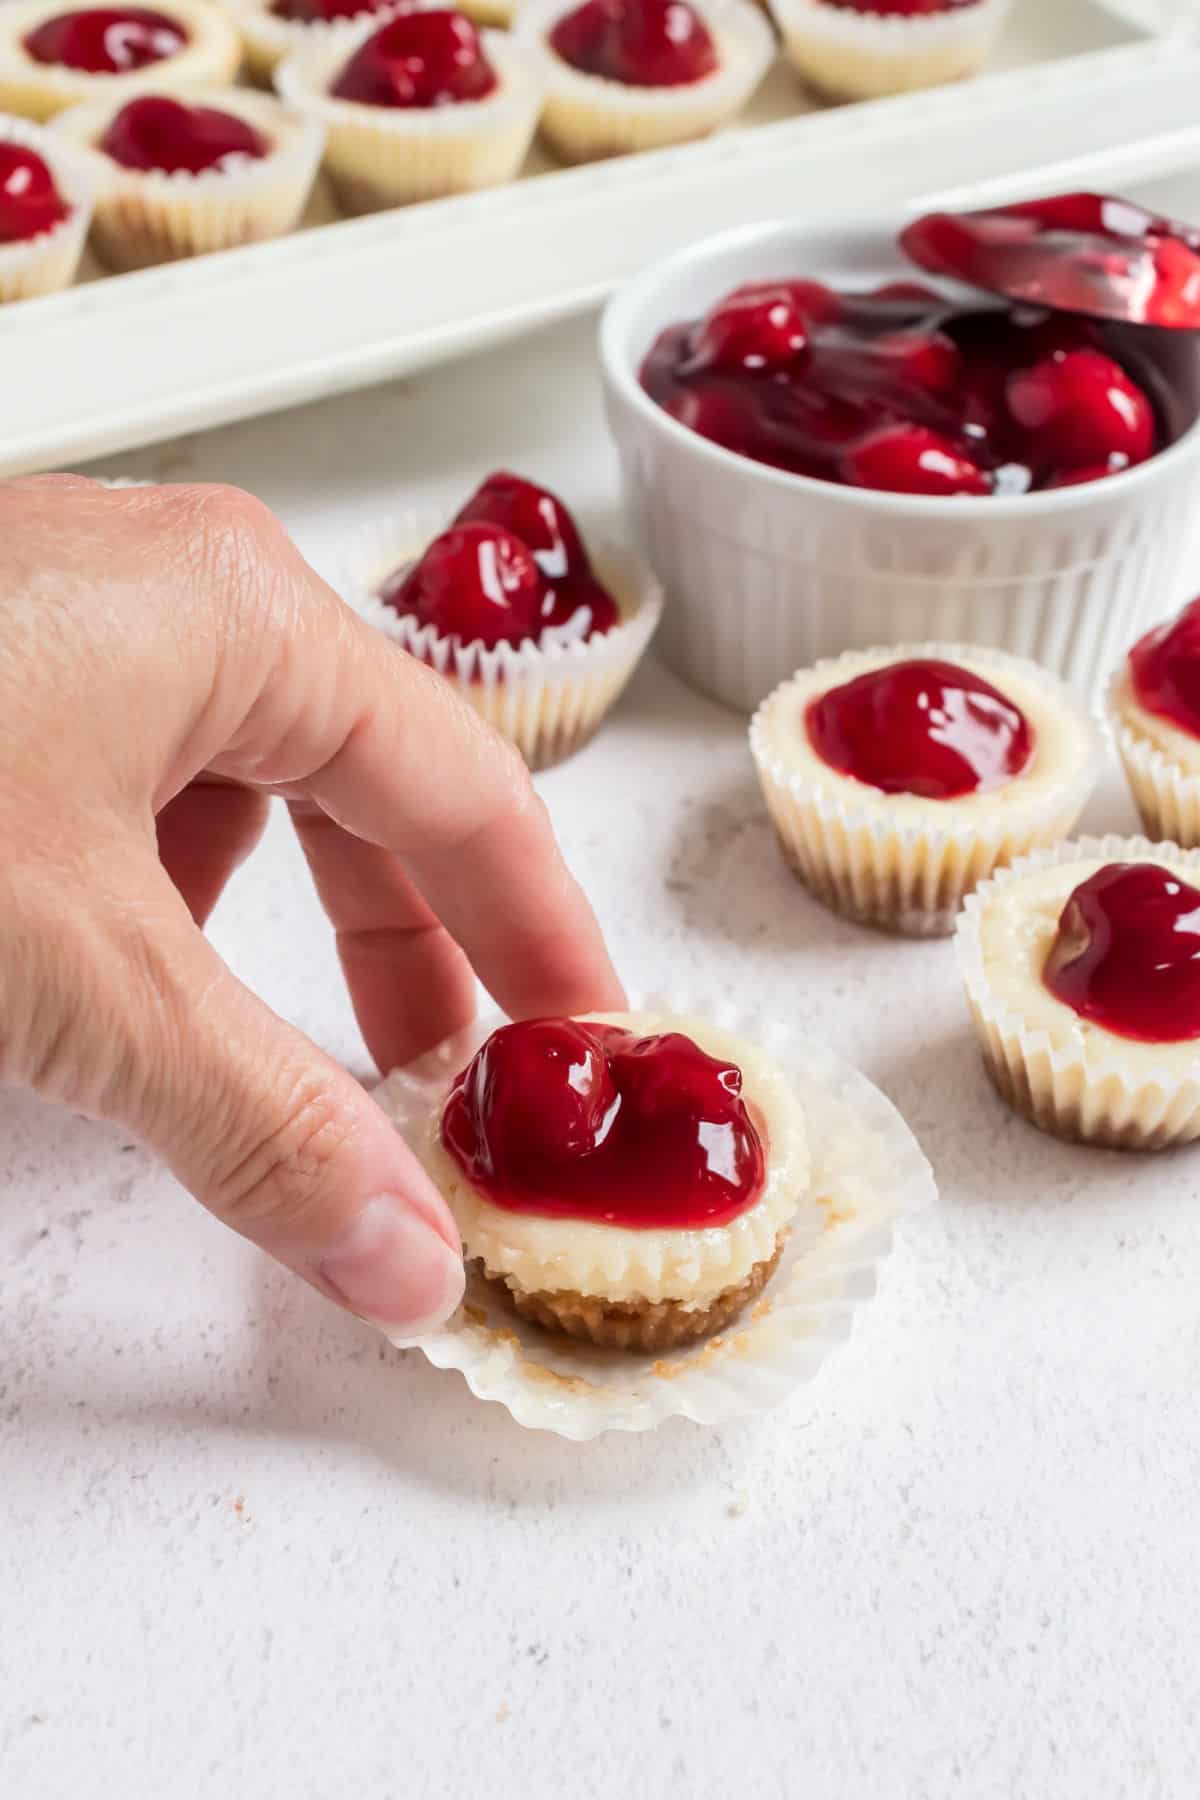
(921, 727)
(154, 132)
(642, 43)
(756, 330)
(1081, 409)
(572, 598)
(911, 459)
(432, 58)
(538, 518)
(310, 12)
(1127, 953)
(476, 582)
(108, 40)
(903, 390)
(1081, 253)
(592, 1122)
(29, 201)
(1165, 666)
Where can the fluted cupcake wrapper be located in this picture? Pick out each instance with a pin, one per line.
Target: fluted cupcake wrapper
(1067, 1085)
(212, 56)
(48, 262)
(379, 156)
(1166, 795)
(850, 55)
(268, 39)
(548, 697)
(867, 1173)
(145, 217)
(906, 877)
(586, 117)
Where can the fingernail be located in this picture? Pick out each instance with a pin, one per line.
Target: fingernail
(394, 1269)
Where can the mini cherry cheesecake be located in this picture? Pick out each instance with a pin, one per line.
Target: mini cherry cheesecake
(419, 107)
(1154, 713)
(207, 170)
(627, 75)
(509, 605)
(904, 390)
(628, 1178)
(46, 199)
(862, 49)
(54, 55)
(899, 779)
(272, 30)
(1082, 969)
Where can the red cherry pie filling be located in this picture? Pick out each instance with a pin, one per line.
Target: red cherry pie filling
(589, 1121)
(419, 59)
(30, 203)
(324, 12)
(639, 43)
(1164, 669)
(921, 727)
(157, 134)
(904, 391)
(511, 568)
(1126, 955)
(110, 40)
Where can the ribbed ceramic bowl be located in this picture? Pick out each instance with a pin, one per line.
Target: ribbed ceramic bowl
(766, 572)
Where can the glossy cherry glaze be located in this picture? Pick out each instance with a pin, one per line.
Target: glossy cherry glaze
(511, 567)
(29, 201)
(156, 133)
(1127, 954)
(904, 390)
(1164, 668)
(419, 59)
(108, 40)
(641, 43)
(591, 1122)
(1081, 253)
(921, 727)
(311, 12)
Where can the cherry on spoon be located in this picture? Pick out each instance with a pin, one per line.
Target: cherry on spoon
(1092, 254)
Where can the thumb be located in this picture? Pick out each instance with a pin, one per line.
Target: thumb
(266, 1131)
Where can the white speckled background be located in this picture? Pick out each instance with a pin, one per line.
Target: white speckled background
(248, 1550)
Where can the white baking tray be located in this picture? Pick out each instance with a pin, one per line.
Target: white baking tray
(1079, 96)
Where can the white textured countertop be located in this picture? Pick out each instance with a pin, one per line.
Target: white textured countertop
(248, 1550)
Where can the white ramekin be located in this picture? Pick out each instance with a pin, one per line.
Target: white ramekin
(766, 572)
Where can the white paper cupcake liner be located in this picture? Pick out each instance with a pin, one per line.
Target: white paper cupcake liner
(861, 56)
(910, 876)
(1166, 794)
(268, 40)
(146, 217)
(867, 1173)
(36, 90)
(1077, 1081)
(547, 697)
(587, 117)
(48, 262)
(379, 156)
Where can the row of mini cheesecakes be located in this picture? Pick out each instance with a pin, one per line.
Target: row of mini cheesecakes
(403, 103)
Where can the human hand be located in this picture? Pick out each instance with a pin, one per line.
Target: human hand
(168, 661)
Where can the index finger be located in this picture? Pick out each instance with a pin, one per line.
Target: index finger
(328, 709)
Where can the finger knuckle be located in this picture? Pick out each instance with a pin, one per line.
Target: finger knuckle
(281, 1172)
